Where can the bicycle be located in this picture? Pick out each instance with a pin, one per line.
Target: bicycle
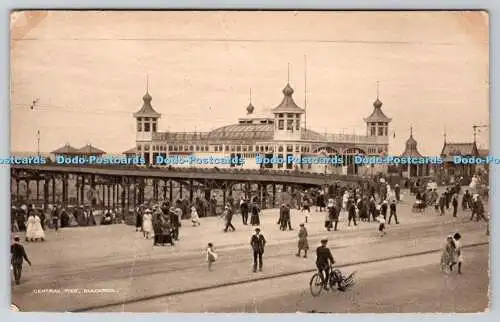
(343, 282)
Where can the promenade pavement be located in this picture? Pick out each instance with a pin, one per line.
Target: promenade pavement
(401, 285)
(119, 260)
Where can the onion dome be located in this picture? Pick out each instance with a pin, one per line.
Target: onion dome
(377, 103)
(147, 109)
(288, 105)
(288, 90)
(147, 97)
(377, 114)
(411, 147)
(250, 108)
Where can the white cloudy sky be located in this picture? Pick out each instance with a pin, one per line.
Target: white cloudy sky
(88, 71)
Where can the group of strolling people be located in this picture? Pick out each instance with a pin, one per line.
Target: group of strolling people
(452, 254)
(28, 219)
(161, 222)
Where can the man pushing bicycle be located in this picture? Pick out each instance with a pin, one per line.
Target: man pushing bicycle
(324, 259)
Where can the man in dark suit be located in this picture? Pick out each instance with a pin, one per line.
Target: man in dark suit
(228, 217)
(351, 210)
(287, 217)
(454, 203)
(333, 215)
(244, 210)
(393, 212)
(18, 255)
(258, 242)
(324, 259)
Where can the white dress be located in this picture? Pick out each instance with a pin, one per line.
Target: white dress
(211, 254)
(37, 228)
(345, 198)
(30, 227)
(458, 248)
(194, 216)
(147, 223)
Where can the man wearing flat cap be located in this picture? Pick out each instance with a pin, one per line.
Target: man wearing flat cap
(324, 259)
(258, 242)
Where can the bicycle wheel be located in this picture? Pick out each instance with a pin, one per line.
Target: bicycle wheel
(316, 285)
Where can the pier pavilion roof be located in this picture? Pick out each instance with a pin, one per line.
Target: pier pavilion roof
(66, 149)
(483, 152)
(90, 150)
(130, 151)
(456, 149)
(255, 132)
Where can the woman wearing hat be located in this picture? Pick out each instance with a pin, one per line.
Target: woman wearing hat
(147, 224)
(303, 243)
(138, 218)
(448, 257)
(254, 218)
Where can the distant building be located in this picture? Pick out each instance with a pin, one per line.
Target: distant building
(279, 133)
(452, 170)
(69, 151)
(411, 150)
(65, 151)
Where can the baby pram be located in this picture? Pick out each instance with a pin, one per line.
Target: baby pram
(165, 238)
(418, 206)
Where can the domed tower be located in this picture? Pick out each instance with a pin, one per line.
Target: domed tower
(146, 119)
(411, 147)
(377, 125)
(411, 150)
(146, 124)
(287, 117)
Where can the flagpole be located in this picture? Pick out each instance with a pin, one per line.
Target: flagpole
(38, 142)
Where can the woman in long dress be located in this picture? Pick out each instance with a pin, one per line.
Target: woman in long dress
(303, 243)
(254, 219)
(147, 224)
(30, 228)
(448, 255)
(38, 233)
(138, 219)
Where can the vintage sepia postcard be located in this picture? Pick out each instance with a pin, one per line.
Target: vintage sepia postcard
(250, 161)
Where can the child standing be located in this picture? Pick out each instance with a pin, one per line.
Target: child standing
(381, 226)
(211, 256)
(458, 252)
(195, 219)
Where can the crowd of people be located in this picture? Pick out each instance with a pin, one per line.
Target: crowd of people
(161, 221)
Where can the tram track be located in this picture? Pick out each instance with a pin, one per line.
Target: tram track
(252, 280)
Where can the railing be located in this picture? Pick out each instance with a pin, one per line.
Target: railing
(353, 138)
(176, 136)
(290, 173)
